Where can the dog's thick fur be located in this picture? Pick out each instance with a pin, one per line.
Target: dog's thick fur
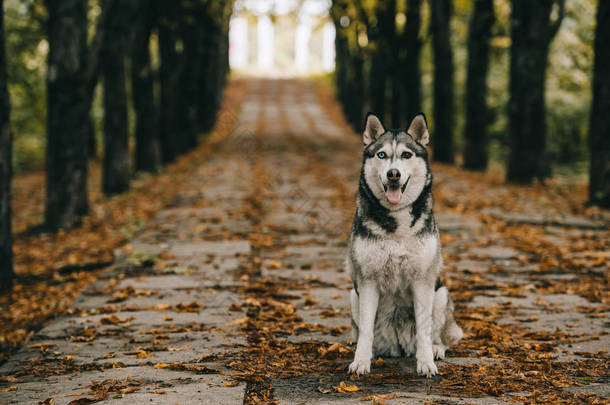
(399, 306)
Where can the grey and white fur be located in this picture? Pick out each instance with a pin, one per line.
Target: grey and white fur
(399, 306)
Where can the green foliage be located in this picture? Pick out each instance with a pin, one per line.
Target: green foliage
(568, 78)
(568, 87)
(26, 50)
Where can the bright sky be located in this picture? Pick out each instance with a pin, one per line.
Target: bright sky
(305, 10)
(310, 7)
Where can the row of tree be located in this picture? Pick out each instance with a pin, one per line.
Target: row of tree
(378, 68)
(173, 103)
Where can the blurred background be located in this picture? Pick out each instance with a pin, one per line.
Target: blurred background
(297, 37)
(128, 86)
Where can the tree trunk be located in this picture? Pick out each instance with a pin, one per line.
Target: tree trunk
(342, 55)
(116, 170)
(381, 36)
(6, 245)
(356, 91)
(440, 18)
(531, 32)
(392, 49)
(210, 72)
(91, 140)
(148, 148)
(170, 80)
(412, 74)
(176, 130)
(68, 115)
(475, 133)
(93, 70)
(349, 74)
(599, 132)
(194, 49)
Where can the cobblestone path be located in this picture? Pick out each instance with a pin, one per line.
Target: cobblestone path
(237, 293)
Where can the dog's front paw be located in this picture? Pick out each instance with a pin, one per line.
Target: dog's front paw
(360, 366)
(427, 368)
(439, 351)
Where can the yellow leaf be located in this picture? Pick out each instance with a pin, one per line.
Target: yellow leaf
(344, 388)
(13, 388)
(230, 383)
(142, 354)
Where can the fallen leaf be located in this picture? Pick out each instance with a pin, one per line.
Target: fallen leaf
(344, 388)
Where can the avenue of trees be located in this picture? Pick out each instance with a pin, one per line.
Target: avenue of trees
(134, 83)
(174, 100)
(379, 68)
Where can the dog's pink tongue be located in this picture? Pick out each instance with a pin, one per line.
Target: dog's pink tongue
(393, 195)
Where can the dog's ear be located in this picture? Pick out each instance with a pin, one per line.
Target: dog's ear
(373, 129)
(419, 129)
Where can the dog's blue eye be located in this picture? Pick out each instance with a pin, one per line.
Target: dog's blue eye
(381, 155)
(406, 155)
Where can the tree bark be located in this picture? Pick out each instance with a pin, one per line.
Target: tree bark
(116, 169)
(381, 35)
(532, 32)
(173, 114)
(440, 18)
(148, 148)
(6, 242)
(341, 52)
(93, 70)
(392, 49)
(475, 133)
(599, 132)
(169, 79)
(412, 73)
(68, 119)
(193, 29)
(356, 95)
(210, 72)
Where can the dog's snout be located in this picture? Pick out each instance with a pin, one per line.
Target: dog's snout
(393, 175)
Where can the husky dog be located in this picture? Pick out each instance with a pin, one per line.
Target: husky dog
(399, 306)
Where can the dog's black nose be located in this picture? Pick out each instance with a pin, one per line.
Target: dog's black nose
(393, 175)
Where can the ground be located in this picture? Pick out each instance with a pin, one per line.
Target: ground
(234, 291)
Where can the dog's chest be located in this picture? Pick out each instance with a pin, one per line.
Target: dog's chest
(394, 262)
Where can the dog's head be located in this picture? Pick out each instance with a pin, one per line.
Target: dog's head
(395, 166)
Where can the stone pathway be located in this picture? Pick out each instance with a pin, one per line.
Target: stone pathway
(216, 297)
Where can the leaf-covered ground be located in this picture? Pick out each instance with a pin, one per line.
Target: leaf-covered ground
(229, 286)
(53, 269)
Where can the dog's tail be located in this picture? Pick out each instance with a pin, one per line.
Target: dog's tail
(451, 333)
